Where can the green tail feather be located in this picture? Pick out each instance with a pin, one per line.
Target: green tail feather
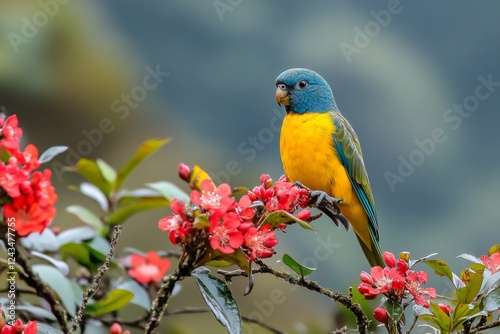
(374, 256)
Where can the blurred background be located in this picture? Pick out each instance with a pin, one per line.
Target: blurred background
(101, 77)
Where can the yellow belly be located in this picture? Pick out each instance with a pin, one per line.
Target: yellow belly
(308, 156)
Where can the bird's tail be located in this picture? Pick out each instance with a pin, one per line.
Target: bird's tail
(373, 255)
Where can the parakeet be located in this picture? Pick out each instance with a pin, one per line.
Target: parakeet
(320, 149)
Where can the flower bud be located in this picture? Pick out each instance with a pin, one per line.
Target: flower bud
(116, 328)
(402, 266)
(390, 259)
(266, 181)
(381, 315)
(7, 330)
(18, 326)
(445, 308)
(405, 256)
(303, 215)
(184, 172)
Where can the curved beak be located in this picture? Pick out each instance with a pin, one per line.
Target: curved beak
(282, 96)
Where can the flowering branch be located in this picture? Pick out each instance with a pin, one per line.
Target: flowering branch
(361, 318)
(92, 288)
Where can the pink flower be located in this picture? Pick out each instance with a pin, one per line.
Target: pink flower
(260, 242)
(10, 134)
(148, 268)
(492, 262)
(213, 199)
(381, 280)
(178, 225)
(11, 177)
(414, 282)
(243, 209)
(381, 315)
(224, 234)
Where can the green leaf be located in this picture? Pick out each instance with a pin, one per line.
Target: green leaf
(141, 297)
(282, 217)
(107, 171)
(76, 234)
(197, 176)
(147, 148)
(79, 252)
(169, 190)
(91, 191)
(494, 249)
(59, 284)
(46, 329)
(472, 287)
(464, 312)
(440, 267)
(492, 301)
(394, 310)
(471, 258)
(123, 213)
(297, 267)
(89, 169)
(440, 317)
(51, 152)
(36, 311)
(86, 216)
(218, 297)
(115, 300)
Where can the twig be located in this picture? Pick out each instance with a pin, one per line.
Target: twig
(206, 309)
(42, 289)
(160, 303)
(94, 286)
(355, 308)
(487, 326)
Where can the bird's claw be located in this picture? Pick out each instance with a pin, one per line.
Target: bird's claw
(327, 204)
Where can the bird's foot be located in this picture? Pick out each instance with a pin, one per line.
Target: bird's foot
(327, 204)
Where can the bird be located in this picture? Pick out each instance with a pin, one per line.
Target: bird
(320, 149)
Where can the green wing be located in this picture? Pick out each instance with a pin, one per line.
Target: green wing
(349, 151)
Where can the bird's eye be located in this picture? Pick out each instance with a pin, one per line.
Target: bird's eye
(302, 84)
(282, 86)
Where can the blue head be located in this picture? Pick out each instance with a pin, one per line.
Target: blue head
(301, 90)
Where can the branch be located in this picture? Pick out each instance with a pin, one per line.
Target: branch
(160, 303)
(355, 308)
(42, 289)
(487, 326)
(92, 288)
(188, 310)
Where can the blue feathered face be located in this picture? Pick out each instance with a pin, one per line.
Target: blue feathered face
(301, 90)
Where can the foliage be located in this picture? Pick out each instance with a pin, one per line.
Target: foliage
(74, 272)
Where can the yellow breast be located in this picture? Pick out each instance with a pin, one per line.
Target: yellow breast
(308, 156)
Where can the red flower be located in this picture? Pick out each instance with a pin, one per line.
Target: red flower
(11, 177)
(7, 329)
(243, 210)
(381, 315)
(10, 134)
(260, 242)
(177, 225)
(148, 268)
(28, 158)
(492, 262)
(445, 308)
(33, 209)
(224, 234)
(389, 259)
(31, 328)
(414, 281)
(213, 199)
(385, 281)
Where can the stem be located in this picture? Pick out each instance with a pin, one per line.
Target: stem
(94, 286)
(355, 308)
(160, 303)
(42, 289)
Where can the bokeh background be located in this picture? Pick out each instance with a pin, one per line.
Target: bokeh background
(395, 85)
